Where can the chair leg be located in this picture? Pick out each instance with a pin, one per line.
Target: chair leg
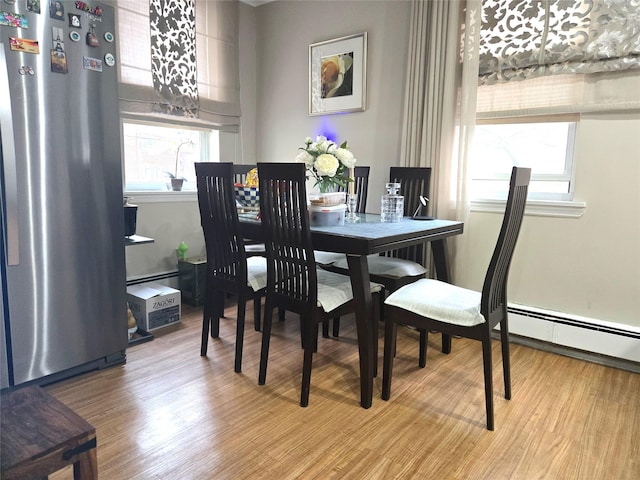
(424, 337)
(446, 343)
(376, 330)
(310, 341)
(205, 333)
(488, 378)
(336, 327)
(242, 304)
(281, 313)
(314, 335)
(390, 335)
(257, 303)
(506, 360)
(325, 329)
(266, 336)
(217, 311)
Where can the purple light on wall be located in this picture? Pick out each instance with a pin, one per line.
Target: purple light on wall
(327, 130)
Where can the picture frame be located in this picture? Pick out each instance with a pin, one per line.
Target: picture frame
(338, 75)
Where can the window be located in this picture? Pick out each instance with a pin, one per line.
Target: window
(202, 87)
(176, 113)
(545, 147)
(155, 152)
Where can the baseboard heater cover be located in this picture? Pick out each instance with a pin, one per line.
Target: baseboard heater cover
(614, 329)
(580, 336)
(152, 278)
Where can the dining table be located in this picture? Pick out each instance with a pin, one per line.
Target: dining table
(358, 240)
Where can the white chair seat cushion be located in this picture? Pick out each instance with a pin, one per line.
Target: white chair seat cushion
(334, 290)
(388, 266)
(328, 258)
(257, 272)
(440, 301)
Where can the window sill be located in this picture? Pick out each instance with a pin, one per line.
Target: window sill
(540, 208)
(162, 197)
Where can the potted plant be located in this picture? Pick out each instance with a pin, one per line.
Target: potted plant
(176, 182)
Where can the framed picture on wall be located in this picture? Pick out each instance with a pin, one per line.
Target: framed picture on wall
(338, 75)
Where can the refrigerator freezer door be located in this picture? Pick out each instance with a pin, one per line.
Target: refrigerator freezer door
(10, 196)
(67, 295)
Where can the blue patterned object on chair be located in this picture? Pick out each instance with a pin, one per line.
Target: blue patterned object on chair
(248, 196)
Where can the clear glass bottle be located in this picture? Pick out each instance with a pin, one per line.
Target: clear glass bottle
(392, 207)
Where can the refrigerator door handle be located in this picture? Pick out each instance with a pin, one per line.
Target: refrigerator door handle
(9, 181)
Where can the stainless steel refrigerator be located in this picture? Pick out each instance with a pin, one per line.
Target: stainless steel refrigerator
(63, 260)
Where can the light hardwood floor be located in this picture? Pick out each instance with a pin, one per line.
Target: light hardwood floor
(170, 414)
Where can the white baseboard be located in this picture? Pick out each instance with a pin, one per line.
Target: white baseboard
(589, 335)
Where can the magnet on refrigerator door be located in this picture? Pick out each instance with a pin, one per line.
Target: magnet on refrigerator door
(25, 45)
(56, 9)
(74, 20)
(26, 70)
(90, 63)
(58, 62)
(33, 6)
(13, 20)
(92, 38)
(110, 60)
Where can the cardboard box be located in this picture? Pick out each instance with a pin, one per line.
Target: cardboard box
(153, 305)
(192, 280)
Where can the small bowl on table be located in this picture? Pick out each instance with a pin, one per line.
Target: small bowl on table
(248, 197)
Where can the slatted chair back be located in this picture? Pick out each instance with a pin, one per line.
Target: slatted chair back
(226, 256)
(414, 181)
(361, 179)
(494, 291)
(291, 270)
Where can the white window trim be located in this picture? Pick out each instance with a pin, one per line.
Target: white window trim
(162, 197)
(547, 204)
(539, 208)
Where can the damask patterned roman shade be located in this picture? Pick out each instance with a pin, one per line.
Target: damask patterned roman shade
(530, 38)
(173, 56)
(179, 61)
(568, 57)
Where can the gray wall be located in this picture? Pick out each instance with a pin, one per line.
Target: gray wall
(285, 29)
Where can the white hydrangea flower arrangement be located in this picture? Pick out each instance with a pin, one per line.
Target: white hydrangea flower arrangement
(329, 164)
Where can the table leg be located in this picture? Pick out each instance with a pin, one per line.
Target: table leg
(86, 468)
(440, 259)
(359, 274)
(441, 262)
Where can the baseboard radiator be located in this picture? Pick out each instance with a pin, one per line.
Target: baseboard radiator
(607, 343)
(163, 278)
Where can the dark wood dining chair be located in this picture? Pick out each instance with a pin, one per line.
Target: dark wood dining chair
(294, 283)
(229, 270)
(433, 305)
(414, 182)
(397, 268)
